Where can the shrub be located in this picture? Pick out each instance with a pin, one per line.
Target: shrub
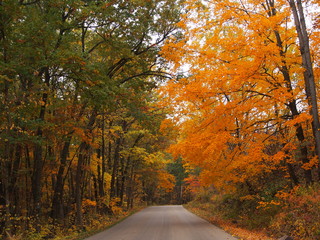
(300, 216)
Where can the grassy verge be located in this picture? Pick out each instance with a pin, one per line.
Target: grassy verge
(101, 225)
(293, 212)
(207, 211)
(94, 224)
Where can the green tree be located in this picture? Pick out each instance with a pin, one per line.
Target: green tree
(68, 69)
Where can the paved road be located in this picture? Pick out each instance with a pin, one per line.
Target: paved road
(163, 223)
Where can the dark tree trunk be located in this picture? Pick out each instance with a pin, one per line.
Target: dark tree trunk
(78, 179)
(115, 165)
(130, 189)
(14, 189)
(102, 155)
(124, 180)
(310, 86)
(83, 153)
(292, 174)
(57, 201)
(292, 104)
(95, 185)
(37, 151)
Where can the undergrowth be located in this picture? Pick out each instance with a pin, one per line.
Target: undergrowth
(93, 224)
(294, 212)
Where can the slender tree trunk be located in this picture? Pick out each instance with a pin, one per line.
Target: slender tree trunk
(83, 153)
(28, 182)
(78, 179)
(37, 152)
(292, 104)
(4, 191)
(130, 189)
(310, 86)
(57, 201)
(125, 177)
(125, 166)
(292, 174)
(95, 185)
(115, 165)
(103, 159)
(14, 188)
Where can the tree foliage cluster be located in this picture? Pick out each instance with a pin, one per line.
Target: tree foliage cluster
(244, 98)
(78, 116)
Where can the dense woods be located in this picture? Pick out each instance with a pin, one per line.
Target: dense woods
(97, 95)
(79, 125)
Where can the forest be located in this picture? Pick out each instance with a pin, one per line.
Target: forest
(79, 121)
(112, 105)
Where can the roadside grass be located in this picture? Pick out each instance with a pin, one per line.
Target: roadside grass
(293, 212)
(94, 224)
(208, 212)
(101, 225)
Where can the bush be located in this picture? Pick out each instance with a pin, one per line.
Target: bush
(294, 212)
(300, 216)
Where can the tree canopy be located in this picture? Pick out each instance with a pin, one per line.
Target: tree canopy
(79, 125)
(240, 98)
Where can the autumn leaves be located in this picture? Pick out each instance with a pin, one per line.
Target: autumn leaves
(78, 119)
(242, 106)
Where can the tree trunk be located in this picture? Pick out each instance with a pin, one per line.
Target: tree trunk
(292, 174)
(79, 178)
(4, 191)
(116, 159)
(292, 104)
(103, 159)
(37, 152)
(124, 179)
(310, 86)
(83, 153)
(14, 189)
(57, 201)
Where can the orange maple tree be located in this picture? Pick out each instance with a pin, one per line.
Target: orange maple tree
(239, 96)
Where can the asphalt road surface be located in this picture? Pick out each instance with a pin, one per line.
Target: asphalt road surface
(163, 223)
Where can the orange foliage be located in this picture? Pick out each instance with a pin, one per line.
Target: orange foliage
(232, 104)
(166, 181)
